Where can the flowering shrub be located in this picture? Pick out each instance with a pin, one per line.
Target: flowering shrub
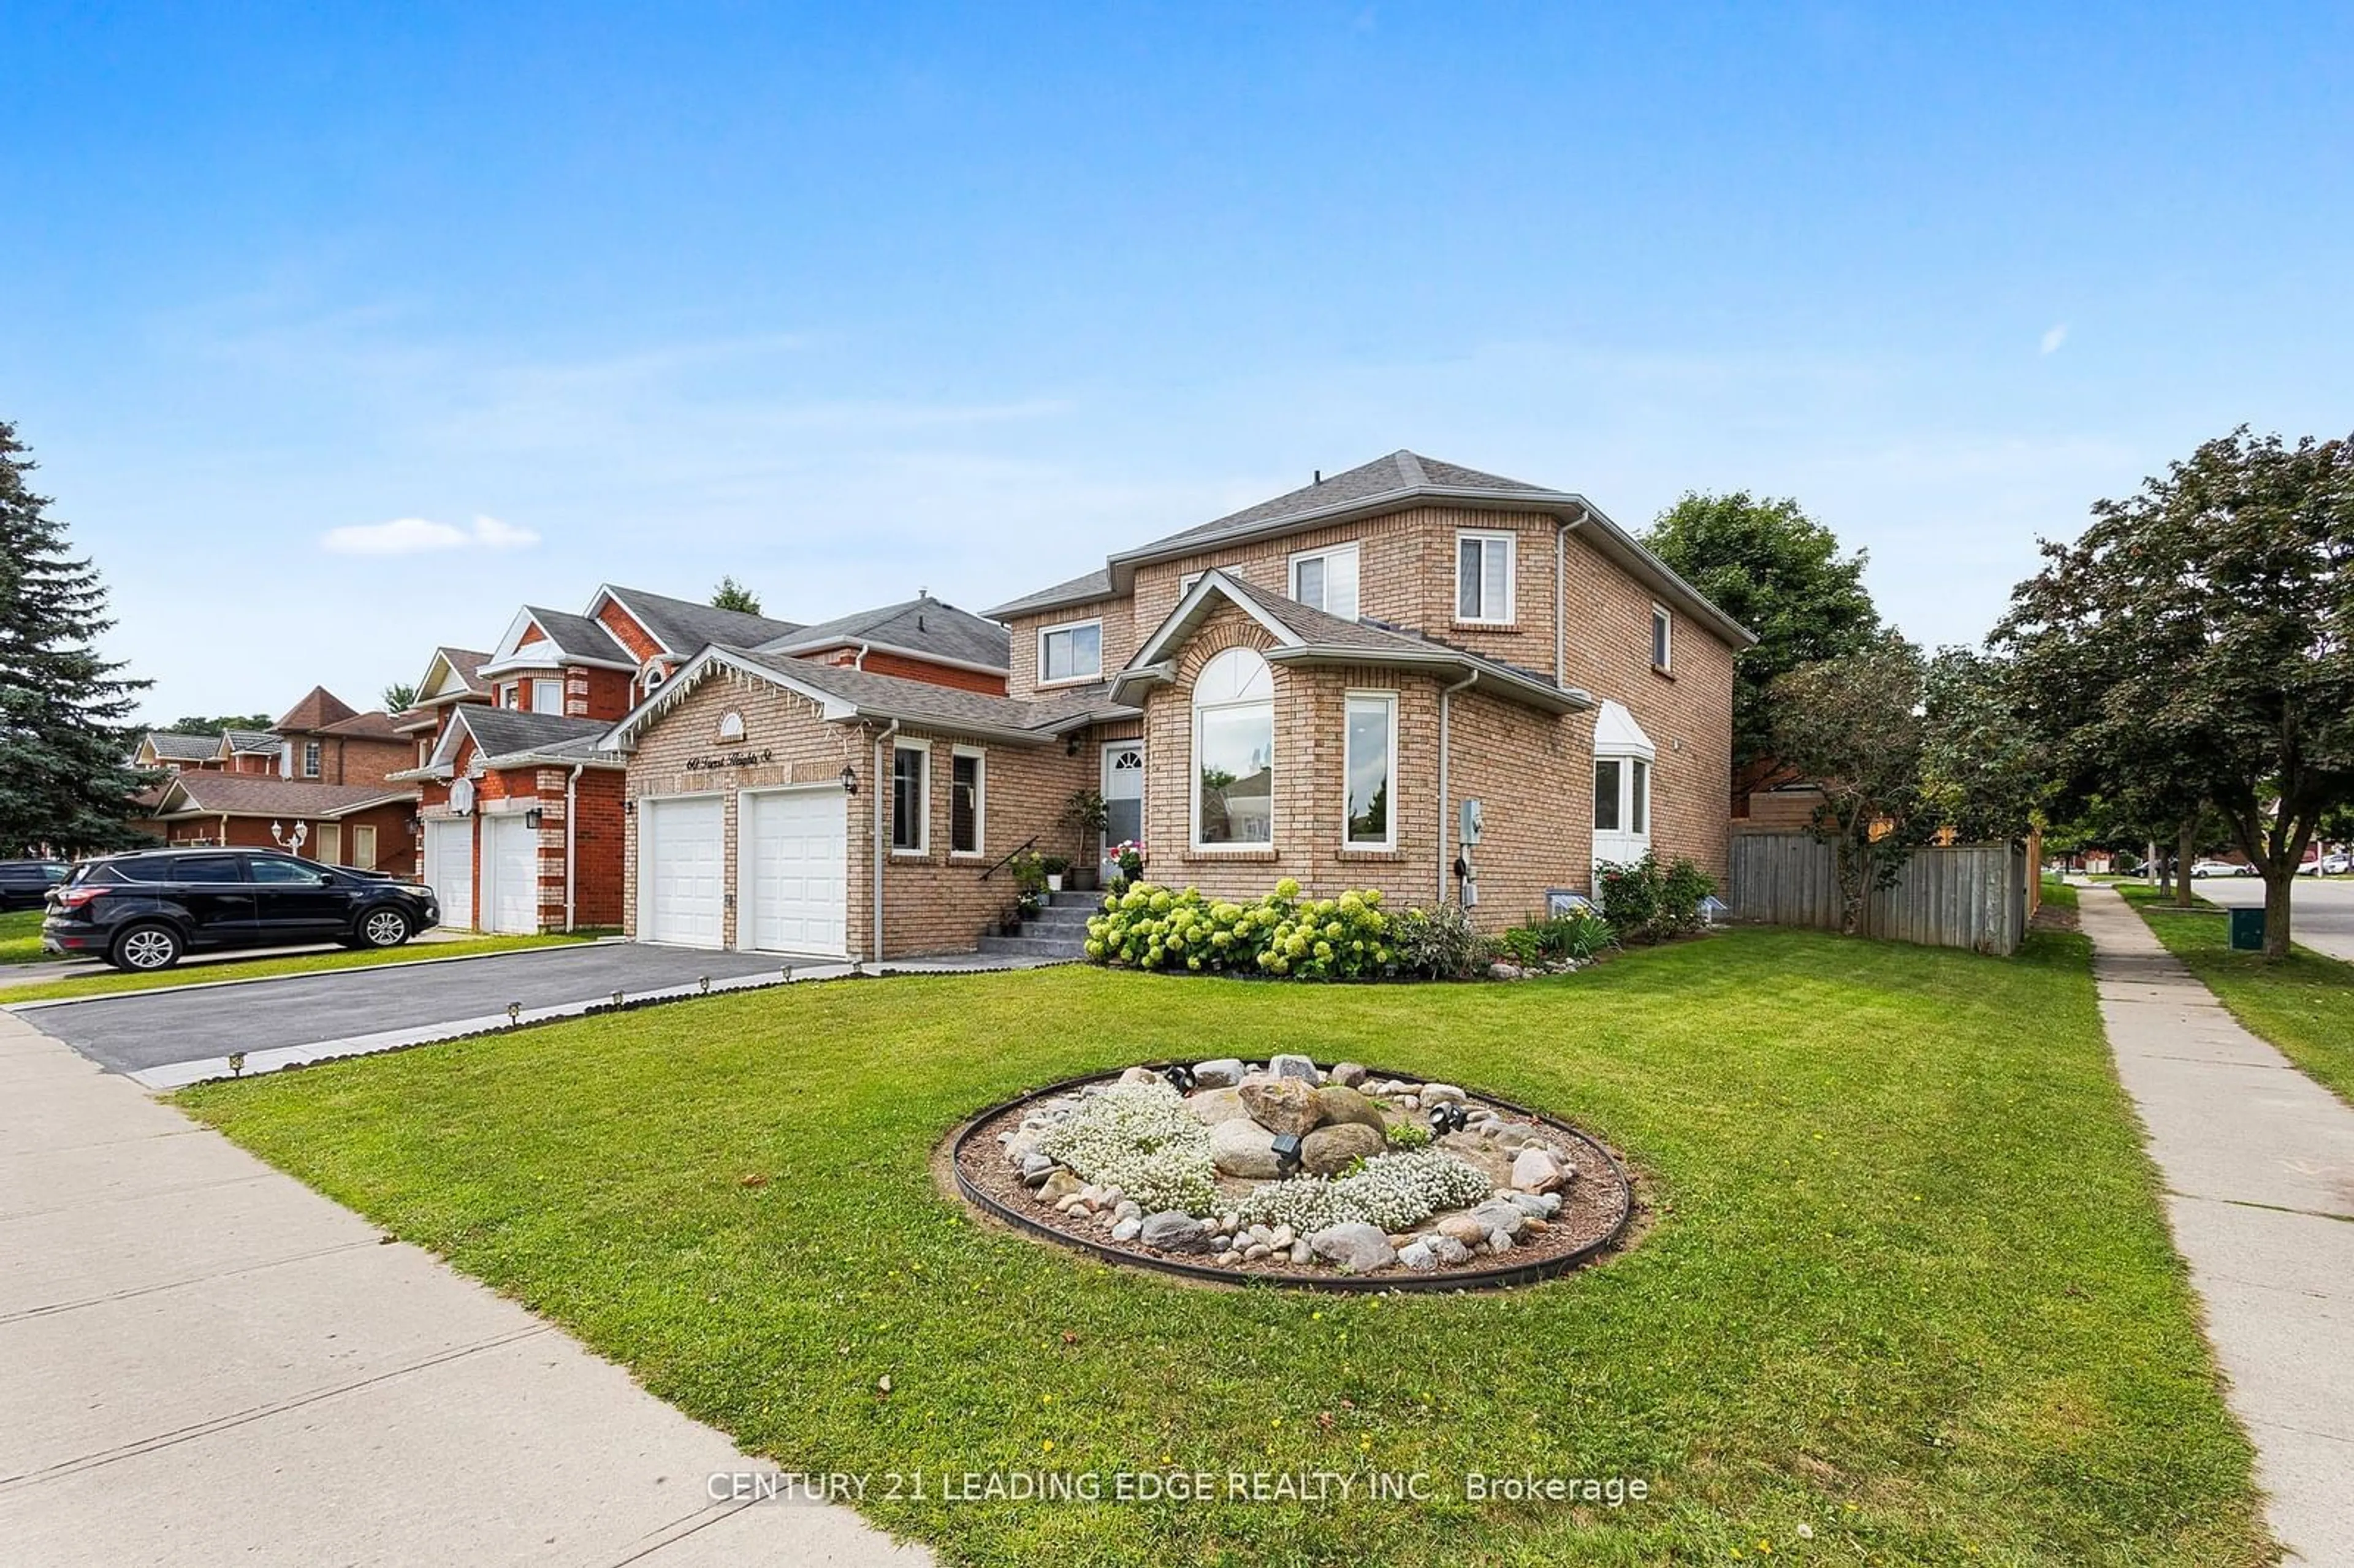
(1391, 1191)
(1439, 944)
(1151, 927)
(1646, 902)
(1140, 1139)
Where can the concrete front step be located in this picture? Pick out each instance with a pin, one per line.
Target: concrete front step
(1036, 947)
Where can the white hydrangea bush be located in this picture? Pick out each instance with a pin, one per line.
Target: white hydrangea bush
(1140, 1139)
(1394, 1192)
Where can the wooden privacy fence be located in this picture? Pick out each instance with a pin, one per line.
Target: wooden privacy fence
(1961, 896)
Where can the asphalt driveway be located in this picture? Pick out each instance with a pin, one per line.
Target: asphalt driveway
(142, 1031)
(2321, 908)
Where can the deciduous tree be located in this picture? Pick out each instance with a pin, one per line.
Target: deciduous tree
(1854, 726)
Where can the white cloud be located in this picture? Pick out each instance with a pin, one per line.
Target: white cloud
(422, 535)
(2055, 337)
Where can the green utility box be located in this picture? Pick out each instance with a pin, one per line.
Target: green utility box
(2247, 930)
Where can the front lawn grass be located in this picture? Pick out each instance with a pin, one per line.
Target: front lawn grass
(2302, 1004)
(1908, 1286)
(20, 937)
(103, 981)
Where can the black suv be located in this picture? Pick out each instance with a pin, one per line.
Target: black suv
(26, 883)
(146, 909)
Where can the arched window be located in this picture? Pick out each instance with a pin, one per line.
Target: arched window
(1233, 751)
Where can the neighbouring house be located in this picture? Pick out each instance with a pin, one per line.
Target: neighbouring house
(367, 826)
(523, 810)
(322, 737)
(1316, 687)
(172, 751)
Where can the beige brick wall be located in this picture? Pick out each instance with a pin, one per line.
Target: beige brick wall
(1120, 639)
(933, 902)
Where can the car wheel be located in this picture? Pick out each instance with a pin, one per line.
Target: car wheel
(145, 949)
(384, 928)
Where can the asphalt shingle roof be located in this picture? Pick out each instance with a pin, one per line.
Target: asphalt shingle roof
(318, 708)
(253, 741)
(1400, 473)
(468, 663)
(920, 625)
(504, 732)
(254, 795)
(374, 725)
(923, 703)
(576, 635)
(689, 628)
(174, 745)
(1089, 585)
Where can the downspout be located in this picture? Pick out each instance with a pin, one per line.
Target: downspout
(1561, 534)
(882, 837)
(860, 663)
(571, 861)
(1446, 807)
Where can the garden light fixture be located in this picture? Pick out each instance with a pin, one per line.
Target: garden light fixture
(1447, 1118)
(1287, 1153)
(1180, 1077)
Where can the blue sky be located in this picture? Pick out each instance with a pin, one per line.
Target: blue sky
(849, 302)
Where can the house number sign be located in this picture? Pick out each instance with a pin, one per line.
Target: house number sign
(730, 759)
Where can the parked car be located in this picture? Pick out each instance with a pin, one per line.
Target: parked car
(147, 909)
(26, 883)
(2221, 868)
(2337, 864)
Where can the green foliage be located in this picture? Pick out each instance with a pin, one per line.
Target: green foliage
(398, 698)
(1439, 944)
(1150, 927)
(203, 724)
(1029, 870)
(1408, 1135)
(1778, 572)
(1141, 1139)
(1394, 1192)
(64, 711)
(1853, 726)
(1575, 937)
(1643, 900)
(733, 594)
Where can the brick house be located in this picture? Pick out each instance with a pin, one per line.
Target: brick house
(1313, 687)
(323, 738)
(366, 826)
(523, 812)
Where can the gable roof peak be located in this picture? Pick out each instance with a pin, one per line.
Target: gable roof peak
(318, 708)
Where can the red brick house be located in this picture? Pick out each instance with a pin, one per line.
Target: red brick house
(367, 826)
(1315, 687)
(322, 737)
(523, 812)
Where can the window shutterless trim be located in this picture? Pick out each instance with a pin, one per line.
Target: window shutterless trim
(922, 845)
(1073, 680)
(1327, 554)
(1486, 538)
(1663, 638)
(1388, 840)
(979, 759)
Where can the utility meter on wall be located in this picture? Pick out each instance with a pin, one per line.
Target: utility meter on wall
(1470, 823)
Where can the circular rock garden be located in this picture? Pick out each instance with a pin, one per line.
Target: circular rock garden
(1283, 1172)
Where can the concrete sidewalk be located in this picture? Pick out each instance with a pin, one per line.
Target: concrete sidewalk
(2258, 1161)
(207, 1362)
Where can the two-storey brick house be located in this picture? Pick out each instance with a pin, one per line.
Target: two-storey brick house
(1313, 687)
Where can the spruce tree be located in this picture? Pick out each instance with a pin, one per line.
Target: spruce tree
(66, 783)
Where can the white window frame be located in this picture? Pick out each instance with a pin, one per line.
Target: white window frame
(363, 834)
(1067, 626)
(980, 803)
(1328, 554)
(923, 845)
(1185, 583)
(1485, 538)
(1663, 638)
(1389, 700)
(510, 695)
(1194, 767)
(313, 754)
(541, 685)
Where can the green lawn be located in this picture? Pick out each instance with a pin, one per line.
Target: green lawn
(2304, 1004)
(103, 981)
(20, 937)
(1909, 1287)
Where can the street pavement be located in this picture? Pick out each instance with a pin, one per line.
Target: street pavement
(2321, 908)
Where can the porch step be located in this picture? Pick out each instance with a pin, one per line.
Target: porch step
(1036, 947)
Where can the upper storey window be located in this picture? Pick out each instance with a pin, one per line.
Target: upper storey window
(1483, 577)
(1073, 653)
(1327, 580)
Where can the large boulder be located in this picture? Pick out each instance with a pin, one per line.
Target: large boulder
(1349, 1074)
(1356, 1246)
(1224, 1073)
(1215, 1106)
(1462, 1228)
(1536, 1170)
(1336, 1104)
(1282, 1105)
(1173, 1230)
(1294, 1066)
(1499, 1215)
(1240, 1147)
(1331, 1150)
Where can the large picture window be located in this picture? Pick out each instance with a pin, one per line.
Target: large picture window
(909, 817)
(1483, 577)
(1071, 653)
(1372, 770)
(1327, 580)
(1233, 751)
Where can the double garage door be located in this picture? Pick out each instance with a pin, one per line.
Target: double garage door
(790, 875)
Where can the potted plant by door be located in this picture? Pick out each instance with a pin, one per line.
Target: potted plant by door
(1086, 812)
(1055, 867)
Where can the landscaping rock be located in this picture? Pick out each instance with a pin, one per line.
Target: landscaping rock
(1418, 1256)
(1281, 1105)
(1499, 1241)
(1337, 1104)
(1448, 1250)
(1140, 1075)
(1172, 1231)
(1435, 1093)
(1303, 1254)
(1356, 1246)
(1463, 1229)
(1294, 1066)
(1498, 1215)
(1128, 1209)
(1228, 1258)
(1215, 1106)
(1537, 1205)
(1348, 1074)
(1036, 1168)
(1513, 1135)
(1257, 1252)
(1128, 1229)
(1062, 1184)
(1504, 972)
(1536, 1170)
(1329, 1150)
(1282, 1238)
(1222, 1074)
(1241, 1147)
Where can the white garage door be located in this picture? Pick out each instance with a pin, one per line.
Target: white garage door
(793, 890)
(449, 869)
(679, 867)
(510, 875)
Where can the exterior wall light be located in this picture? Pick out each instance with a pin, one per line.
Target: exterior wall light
(849, 779)
(530, 818)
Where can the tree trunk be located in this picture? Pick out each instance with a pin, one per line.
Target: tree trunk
(2186, 850)
(2158, 869)
(1853, 865)
(2280, 880)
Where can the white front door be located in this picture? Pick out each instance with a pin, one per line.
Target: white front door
(449, 868)
(793, 895)
(510, 875)
(681, 878)
(1123, 793)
